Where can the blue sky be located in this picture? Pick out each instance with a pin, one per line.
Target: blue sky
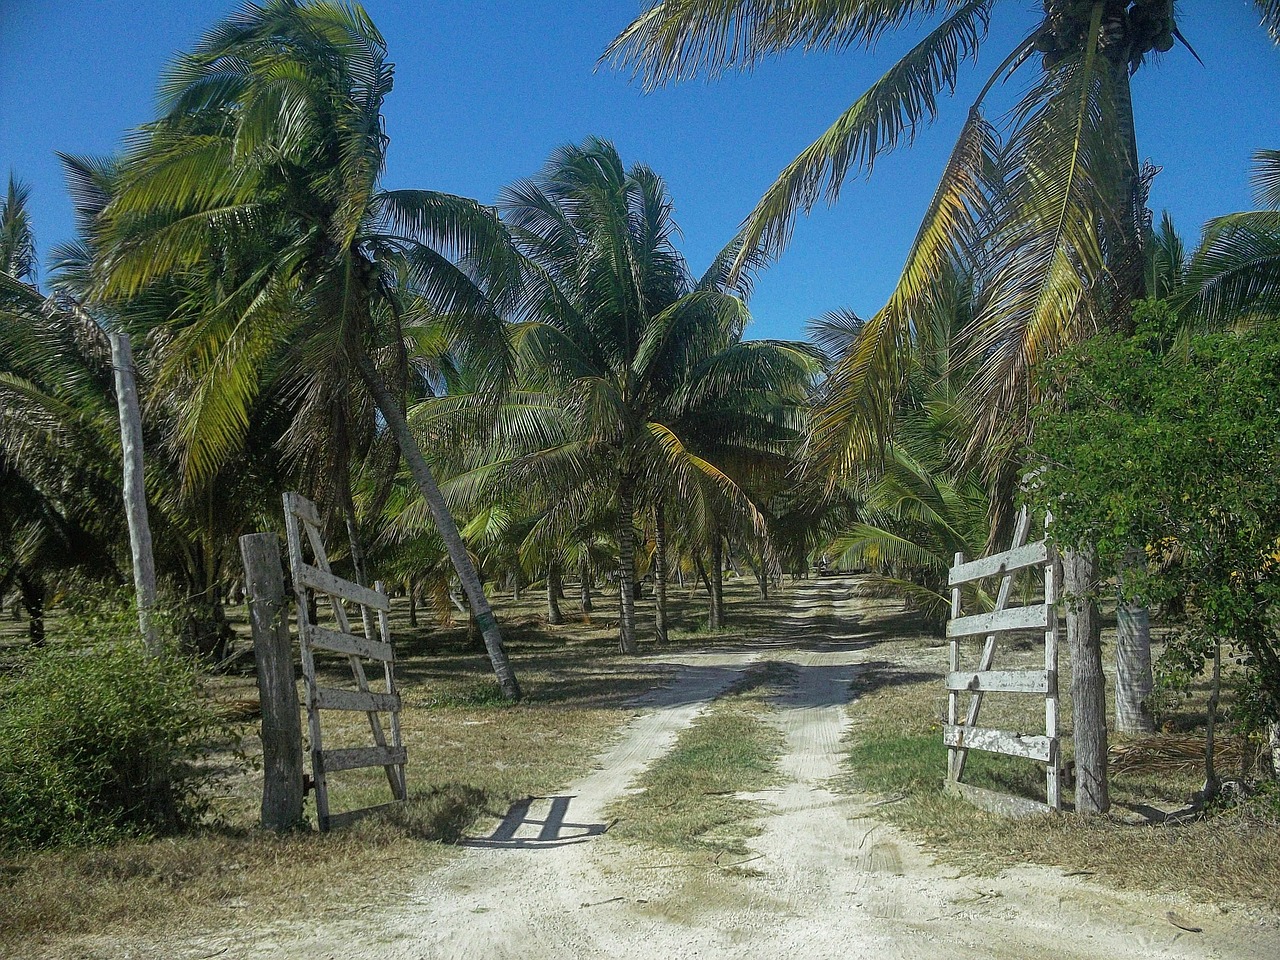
(485, 90)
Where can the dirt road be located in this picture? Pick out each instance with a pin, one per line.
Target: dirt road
(829, 880)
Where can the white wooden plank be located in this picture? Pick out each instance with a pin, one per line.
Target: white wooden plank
(335, 586)
(1000, 681)
(1021, 530)
(302, 508)
(350, 758)
(997, 741)
(1019, 558)
(1017, 618)
(350, 643)
(1001, 803)
(330, 698)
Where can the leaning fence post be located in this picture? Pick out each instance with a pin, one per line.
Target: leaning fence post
(277, 684)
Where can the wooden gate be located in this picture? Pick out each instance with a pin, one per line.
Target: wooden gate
(302, 523)
(959, 737)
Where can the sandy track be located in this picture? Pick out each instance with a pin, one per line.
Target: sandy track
(827, 880)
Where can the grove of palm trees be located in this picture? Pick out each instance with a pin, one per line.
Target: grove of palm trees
(669, 603)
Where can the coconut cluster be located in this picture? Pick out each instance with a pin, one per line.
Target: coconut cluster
(1130, 30)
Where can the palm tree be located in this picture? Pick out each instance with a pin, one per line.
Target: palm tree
(635, 351)
(1234, 275)
(261, 179)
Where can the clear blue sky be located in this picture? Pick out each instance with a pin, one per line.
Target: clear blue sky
(486, 89)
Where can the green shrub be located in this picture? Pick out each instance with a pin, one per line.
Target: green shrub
(98, 743)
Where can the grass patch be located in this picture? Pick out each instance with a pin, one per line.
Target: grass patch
(896, 751)
(689, 799)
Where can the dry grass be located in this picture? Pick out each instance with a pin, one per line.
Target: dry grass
(471, 755)
(895, 744)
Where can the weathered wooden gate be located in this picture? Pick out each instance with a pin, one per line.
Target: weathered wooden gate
(302, 520)
(959, 737)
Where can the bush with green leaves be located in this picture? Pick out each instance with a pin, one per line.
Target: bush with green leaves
(98, 742)
(1173, 443)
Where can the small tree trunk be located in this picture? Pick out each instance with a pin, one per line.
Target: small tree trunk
(32, 587)
(660, 572)
(1133, 659)
(413, 603)
(1275, 749)
(717, 581)
(702, 573)
(515, 587)
(466, 570)
(1088, 693)
(626, 570)
(1211, 782)
(584, 581)
(353, 538)
(135, 493)
(554, 616)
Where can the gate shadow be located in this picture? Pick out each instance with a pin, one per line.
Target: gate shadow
(554, 829)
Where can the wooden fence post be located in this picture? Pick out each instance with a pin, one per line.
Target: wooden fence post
(277, 684)
(135, 493)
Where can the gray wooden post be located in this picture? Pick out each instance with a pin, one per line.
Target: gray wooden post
(135, 493)
(277, 683)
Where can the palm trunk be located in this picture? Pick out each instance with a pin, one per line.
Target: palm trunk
(353, 536)
(31, 586)
(702, 573)
(660, 572)
(466, 570)
(1134, 681)
(626, 569)
(584, 581)
(554, 616)
(1088, 692)
(717, 581)
(413, 603)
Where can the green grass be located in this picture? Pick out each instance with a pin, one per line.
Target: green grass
(689, 799)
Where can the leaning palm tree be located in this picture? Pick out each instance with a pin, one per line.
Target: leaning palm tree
(261, 179)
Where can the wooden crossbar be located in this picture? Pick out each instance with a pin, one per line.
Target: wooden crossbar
(351, 644)
(1000, 681)
(326, 582)
(1007, 742)
(1001, 621)
(329, 698)
(351, 758)
(999, 564)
